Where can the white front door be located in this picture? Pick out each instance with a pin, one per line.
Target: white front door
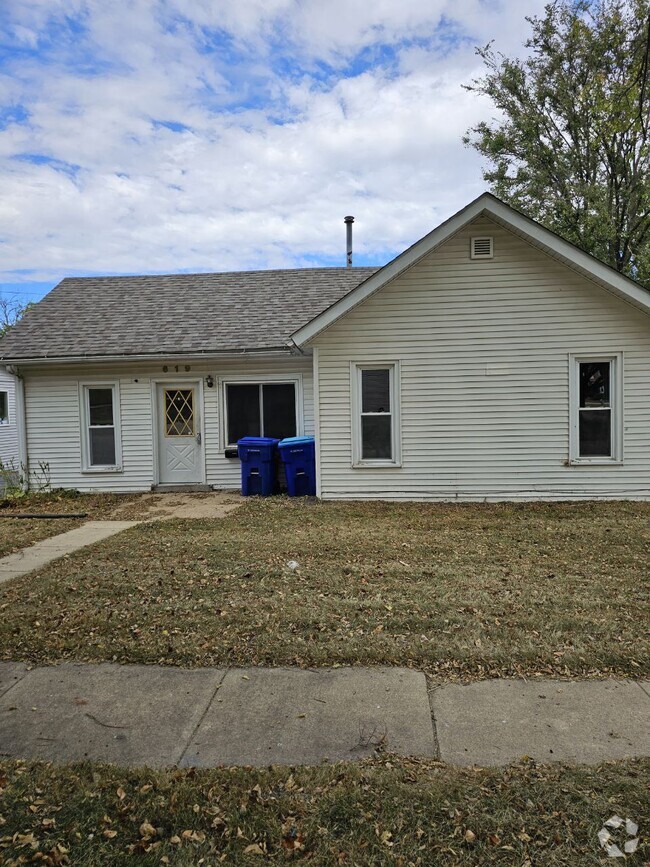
(180, 458)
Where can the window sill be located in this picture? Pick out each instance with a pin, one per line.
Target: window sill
(376, 465)
(595, 462)
(92, 471)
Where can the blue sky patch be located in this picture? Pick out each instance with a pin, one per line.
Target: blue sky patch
(53, 163)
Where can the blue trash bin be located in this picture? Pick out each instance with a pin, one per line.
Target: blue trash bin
(258, 456)
(299, 458)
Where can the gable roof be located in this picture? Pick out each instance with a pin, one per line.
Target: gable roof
(176, 315)
(488, 205)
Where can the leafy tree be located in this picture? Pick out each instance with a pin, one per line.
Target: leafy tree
(570, 145)
(11, 310)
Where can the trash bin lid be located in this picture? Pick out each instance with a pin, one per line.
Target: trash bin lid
(294, 441)
(257, 441)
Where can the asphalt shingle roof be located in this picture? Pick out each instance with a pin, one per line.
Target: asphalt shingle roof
(176, 315)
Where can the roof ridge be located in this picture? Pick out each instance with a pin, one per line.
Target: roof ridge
(179, 275)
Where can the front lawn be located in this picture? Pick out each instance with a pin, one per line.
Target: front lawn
(461, 591)
(384, 811)
(17, 533)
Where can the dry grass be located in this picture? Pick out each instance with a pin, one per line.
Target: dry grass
(381, 812)
(461, 591)
(17, 533)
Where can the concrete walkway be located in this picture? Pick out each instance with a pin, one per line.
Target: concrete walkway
(150, 715)
(150, 507)
(42, 553)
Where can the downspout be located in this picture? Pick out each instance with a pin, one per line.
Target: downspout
(21, 427)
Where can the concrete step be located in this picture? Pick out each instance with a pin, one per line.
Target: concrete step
(182, 489)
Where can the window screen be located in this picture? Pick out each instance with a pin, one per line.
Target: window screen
(101, 427)
(262, 409)
(376, 416)
(4, 408)
(594, 410)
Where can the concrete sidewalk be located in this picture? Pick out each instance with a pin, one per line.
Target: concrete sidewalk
(42, 553)
(150, 715)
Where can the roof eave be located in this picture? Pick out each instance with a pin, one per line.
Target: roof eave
(195, 355)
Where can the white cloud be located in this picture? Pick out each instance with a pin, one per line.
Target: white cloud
(236, 188)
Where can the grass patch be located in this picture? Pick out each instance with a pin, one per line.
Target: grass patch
(18, 533)
(383, 812)
(461, 591)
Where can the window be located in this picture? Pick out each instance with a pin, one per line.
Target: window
(179, 412)
(376, 414)
(266, 409)
(4, 407)
(596, 398)
(101, 446)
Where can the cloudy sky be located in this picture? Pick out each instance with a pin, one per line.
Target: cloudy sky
(143, 136)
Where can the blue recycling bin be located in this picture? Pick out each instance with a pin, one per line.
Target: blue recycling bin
(299, 458)
(258, 456)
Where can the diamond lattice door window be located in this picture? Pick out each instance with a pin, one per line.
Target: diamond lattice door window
(179, 412)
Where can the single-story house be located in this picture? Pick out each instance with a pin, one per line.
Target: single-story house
(491, 360)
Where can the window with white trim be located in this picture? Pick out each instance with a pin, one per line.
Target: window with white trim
(596, 409)
(101, 433)
(4, 407)
(254, 409)
(375, 412)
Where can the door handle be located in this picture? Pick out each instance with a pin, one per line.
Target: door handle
(198, 438)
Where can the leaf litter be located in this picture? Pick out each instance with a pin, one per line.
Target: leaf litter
(462, 591)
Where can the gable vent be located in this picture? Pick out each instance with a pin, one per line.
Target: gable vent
(482, 248)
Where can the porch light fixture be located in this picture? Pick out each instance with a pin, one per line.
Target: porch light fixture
(209, 381)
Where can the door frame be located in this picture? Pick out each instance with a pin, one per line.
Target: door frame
(180, 381)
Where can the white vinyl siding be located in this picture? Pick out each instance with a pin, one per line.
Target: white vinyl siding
(484, 349)
(9, 430)
(54, 425)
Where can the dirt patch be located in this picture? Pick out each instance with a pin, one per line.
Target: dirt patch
(167, 506)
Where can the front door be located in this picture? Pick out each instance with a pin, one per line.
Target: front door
(179, 435)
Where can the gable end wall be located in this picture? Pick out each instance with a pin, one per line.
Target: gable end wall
(484, 352)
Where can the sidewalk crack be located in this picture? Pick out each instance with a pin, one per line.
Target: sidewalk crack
(431, 688)
(18, 680)
(202, 717)
(643, 689)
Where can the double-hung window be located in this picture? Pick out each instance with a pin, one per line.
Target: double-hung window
(101, 431)
(596, 409)
(254, 409)
(375, 414)
(4, 407)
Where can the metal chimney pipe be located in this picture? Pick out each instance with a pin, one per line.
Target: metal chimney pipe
(348, 239)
